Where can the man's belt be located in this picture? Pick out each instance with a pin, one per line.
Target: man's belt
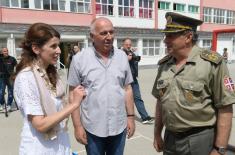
(190, 131)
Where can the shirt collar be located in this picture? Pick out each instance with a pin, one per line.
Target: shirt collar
(111, 53)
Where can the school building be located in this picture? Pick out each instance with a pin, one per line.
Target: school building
(140, 20)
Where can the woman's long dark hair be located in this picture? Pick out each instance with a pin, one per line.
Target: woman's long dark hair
(38, 34)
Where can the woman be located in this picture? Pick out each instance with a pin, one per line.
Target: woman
(39, 94)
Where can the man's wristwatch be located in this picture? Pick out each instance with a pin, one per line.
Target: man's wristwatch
(220, 150)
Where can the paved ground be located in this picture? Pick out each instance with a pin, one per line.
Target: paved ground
(140, 144)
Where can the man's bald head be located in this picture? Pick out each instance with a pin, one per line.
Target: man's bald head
(99, 22)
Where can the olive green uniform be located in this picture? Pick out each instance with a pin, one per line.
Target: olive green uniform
(190, 96)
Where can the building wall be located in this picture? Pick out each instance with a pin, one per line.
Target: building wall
(225, 4)
(132, 22)
(154, 52)
(162, 12)
(29, 16)
(222, 4)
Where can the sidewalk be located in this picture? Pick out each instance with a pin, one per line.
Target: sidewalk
(140, 144)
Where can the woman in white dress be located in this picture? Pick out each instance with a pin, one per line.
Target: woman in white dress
(39, 94)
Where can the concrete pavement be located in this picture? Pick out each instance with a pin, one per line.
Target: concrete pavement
(139, 144)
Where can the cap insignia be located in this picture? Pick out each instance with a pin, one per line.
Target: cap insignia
(169, 20)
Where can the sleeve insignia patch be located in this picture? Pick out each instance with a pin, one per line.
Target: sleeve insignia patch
(228, 83)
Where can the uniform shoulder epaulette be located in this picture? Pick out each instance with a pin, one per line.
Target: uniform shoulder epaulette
(211, 56)
(164, 59)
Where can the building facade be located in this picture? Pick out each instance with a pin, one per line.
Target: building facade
(140, 20)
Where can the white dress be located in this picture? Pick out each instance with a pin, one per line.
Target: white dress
(32, 142)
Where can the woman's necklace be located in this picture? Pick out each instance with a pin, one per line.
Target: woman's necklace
(47, 81)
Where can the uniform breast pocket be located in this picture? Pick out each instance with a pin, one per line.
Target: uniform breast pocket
(192, 91)
(162, 89)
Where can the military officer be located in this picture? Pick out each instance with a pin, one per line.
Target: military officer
(194, 94)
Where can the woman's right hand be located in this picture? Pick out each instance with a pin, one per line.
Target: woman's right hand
(78, 94)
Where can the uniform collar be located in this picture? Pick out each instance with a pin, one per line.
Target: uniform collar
(171, 61)
(193, 54)
(191, 58)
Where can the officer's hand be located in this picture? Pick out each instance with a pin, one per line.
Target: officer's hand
(158, 143)
(80, 135)
(130, 127)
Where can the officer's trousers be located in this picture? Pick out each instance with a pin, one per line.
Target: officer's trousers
(196, 144)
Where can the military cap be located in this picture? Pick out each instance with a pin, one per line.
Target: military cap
(177, 23)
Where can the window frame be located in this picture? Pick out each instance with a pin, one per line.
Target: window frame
(193, 8)
(85, 4)
(125, 9)
(156, 47)
(165, 4)
(207, 15)
(206, 43)
(176, 7)
(219, 16)
(146, 12)
(105, 6)
(230, 17)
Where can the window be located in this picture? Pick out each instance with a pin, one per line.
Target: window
(126, 8)
(163, 5)
(146, 8)
(81, 6)
(54, 5)
(151, 47)
(37, 4)
(230, 17)
(14, 3)
(219, 16)
(50, 4)
(104, 7)
(193, 9)
(46, 4)
(24, 3)
(179, 7)
(206, 44)
(73, 7)
(62, 5)
(5, 3)
(207, 15)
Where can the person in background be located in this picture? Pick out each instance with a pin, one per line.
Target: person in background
(7, 66)
(40, 94)
(225, 54)
(75, 50)
(133, 62)
(194, 94)
(107, 113)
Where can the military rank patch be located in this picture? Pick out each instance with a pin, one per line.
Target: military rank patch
(212, 57)
(228, 83)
